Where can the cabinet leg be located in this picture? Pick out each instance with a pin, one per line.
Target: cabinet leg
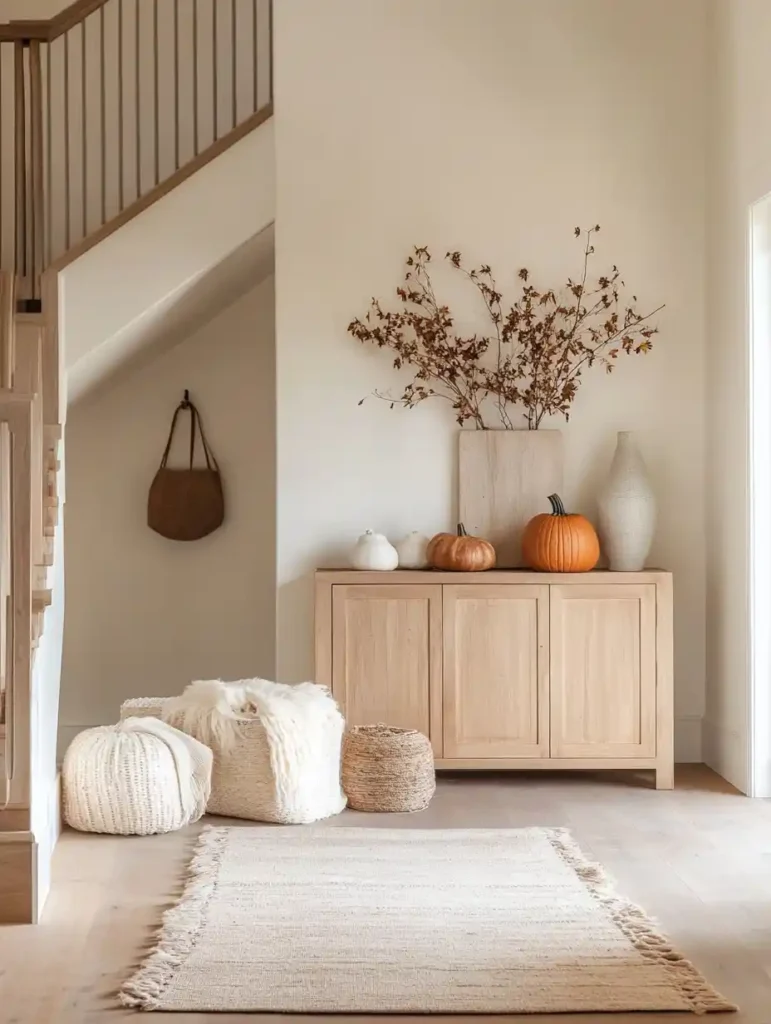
(665, 777)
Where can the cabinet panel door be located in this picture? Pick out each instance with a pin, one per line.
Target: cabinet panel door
(603, 670)
(387, 656)
(496, 671)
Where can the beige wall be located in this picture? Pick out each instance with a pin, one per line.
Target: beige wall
(146, 615)
(15, 10)
(740, 174)
(493, 127)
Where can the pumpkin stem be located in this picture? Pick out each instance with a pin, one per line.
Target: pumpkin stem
(462, 530)
(557, 507)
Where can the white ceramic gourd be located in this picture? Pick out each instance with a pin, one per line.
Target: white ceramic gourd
(373, 551)
(627, 507)
(413, 551)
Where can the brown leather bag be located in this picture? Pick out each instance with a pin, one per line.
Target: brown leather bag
(186, 504)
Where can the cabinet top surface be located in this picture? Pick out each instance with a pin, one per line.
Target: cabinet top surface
(492, 576)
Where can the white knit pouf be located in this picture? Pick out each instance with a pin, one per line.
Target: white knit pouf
(138, 777)
(276, 747)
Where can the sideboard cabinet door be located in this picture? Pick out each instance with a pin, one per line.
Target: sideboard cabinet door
(496, 671)
(387, 656)
(603, 670)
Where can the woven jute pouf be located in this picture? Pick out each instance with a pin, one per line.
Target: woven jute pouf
(387, 769)
(142, 707)
(245, 785)
(248, 782)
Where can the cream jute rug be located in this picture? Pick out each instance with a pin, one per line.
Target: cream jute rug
(378, 920)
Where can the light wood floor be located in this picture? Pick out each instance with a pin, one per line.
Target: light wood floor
(698, 859)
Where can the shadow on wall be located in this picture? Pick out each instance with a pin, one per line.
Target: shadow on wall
(146, 615)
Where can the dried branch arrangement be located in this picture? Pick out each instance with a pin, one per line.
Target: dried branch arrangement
(530, 363)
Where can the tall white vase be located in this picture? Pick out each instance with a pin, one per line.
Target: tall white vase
(627, 507)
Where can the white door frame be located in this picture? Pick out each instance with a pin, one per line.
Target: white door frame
(759, 555)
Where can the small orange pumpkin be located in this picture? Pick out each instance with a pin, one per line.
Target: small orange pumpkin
(560, 542)
(460, 553)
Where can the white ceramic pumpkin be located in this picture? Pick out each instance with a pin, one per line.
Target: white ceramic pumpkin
(373, 551)
(412, 551)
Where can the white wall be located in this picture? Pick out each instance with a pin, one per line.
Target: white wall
(740, 174)
(147, 615)
(45, 810)
(113, 297)
(493, 127)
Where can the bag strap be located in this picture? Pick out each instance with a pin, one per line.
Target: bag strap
(208, 454)
(195, 424)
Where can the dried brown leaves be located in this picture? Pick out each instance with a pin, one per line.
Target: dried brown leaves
(534, 357)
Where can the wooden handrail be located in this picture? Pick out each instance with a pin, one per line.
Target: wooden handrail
(72, 16)
(24, 31)
(45, 31)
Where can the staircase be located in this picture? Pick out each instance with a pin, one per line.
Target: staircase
(104, 110)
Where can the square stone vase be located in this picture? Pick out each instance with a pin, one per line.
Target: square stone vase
(504, 479)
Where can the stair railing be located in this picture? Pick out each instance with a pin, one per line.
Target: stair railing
(102, 109)
(108, 103)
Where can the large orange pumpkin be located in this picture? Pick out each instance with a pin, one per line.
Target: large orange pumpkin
(457, 552)
(559, 541)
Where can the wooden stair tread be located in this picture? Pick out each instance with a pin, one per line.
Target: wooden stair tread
(41, 599)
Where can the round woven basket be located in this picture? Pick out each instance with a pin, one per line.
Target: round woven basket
(387, 769)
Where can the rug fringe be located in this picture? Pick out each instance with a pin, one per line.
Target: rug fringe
(180, 925)
(639, 928)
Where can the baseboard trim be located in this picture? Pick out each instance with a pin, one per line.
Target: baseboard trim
(22, 835)
(18, 878)
(688, 738)
(48, 827)
(14, 819)
(58, 808)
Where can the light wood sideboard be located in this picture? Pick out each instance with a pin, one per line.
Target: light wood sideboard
(506, 669)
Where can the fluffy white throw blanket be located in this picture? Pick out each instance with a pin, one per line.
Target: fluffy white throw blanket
(302, 723)
(192, 759)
